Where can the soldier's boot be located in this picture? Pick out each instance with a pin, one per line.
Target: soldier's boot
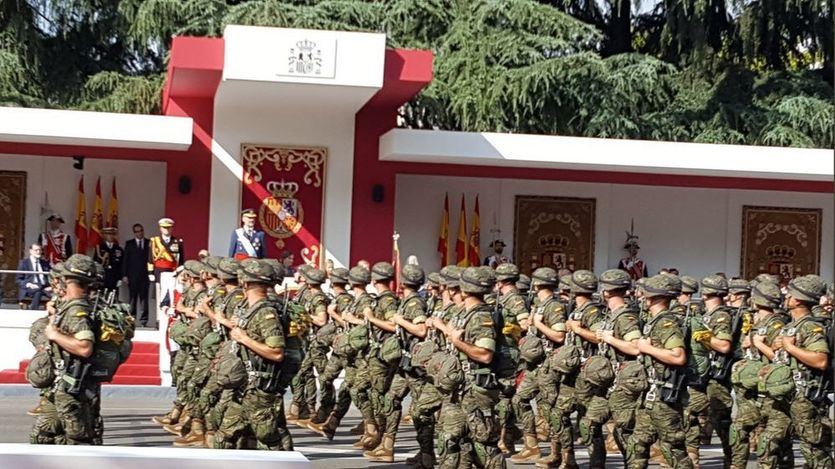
(177, 428)
(321, 416)
(568, 461)
(656, 456)
(506, 445)
(170, 418)
(384, 452)
(530, 452)
(35, 411)
(376, 438)
(370, 434)
(422, 461)
(611, 443)
(359, 429)
(195, 437)
(543, 429)
(554, 459)
(705, 429)
(292, 414)
(305, 413)
(326, 429)
(693, 454)
(209, 440)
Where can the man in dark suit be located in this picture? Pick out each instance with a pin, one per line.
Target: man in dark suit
(35, 285)
(135, 273)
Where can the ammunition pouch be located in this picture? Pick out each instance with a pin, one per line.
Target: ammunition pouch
(264, 375)
(484, 378)
(73, 376)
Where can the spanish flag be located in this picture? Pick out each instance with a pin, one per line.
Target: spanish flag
(113, 208)
(443, 238)
(475, 237)
(461, 243)
(97, 220)
(81, 220)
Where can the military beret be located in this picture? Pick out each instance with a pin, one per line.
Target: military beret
(80, 267)
(767, 295)
(544, 277)
(359, 275)
(382, 271)
(507, 271)
(583, 281)
(480, 280)
(524, 283)
(689, 284)
(339, 276)
(256, 271)
(314, 276)
(661, 285)
(451, 276)
(412, 275)
(738, 286)
(714, 285)
(808, 288)
(227, 268)
(433, 279)
(166, 222)
(615, 279)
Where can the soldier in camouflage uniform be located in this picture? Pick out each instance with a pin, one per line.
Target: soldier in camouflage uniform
(619, 338)
(407, 326)
(260, 343)
(547, 325)
(662, 350)
(315, 304)
(803, 346)
(757, 345)
(514, 309)
(177, 359)
(469, 430)
(69, 415)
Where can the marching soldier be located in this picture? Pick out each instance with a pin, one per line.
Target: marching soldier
(514, 309)
(110, 255)
(247, 242)
(662, 352)
(57, 244)
(166, 253)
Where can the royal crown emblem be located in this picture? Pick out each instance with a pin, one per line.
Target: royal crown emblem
(305, 58)
(281, 213)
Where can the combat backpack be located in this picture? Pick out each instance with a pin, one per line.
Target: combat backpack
(531, 349)
(445, 370)
(745, 373)
(230, 369)
(40, 372)
(633, 377)
(776, 380)
(505, 358)
(597, 370)
(114, 328)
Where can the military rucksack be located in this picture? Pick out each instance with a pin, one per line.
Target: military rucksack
(776, 380)
(745, 373)
(633, 377)
(445, 371)
(422, 352)
(597, 370)
(210, 344)
(391, 349)
(177, 332)
(41, 373)
(531, 349)
(326, 334)
(565, 360)
(230, 369)
(114, 329)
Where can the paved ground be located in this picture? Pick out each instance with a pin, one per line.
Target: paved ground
(128, 423)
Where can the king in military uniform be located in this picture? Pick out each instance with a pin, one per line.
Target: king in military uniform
(247, 242)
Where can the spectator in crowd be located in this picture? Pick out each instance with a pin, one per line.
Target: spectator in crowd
(135, 274)
(33, 286)
(288, 259)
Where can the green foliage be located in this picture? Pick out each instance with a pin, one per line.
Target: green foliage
(713, 71)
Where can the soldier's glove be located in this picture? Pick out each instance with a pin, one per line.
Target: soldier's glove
(703, 336)
(512, 330)
(746, 323)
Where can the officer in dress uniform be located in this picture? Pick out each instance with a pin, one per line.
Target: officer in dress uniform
(166, 252)
(57, 244)
(246, 241)
(110, 255)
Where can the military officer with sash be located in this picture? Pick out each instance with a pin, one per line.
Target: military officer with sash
(247, 242)
(57, 244)
(166, 253)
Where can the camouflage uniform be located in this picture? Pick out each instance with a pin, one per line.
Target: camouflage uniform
(315, 302)
(514, 309)
(656, 419)
(69, 415)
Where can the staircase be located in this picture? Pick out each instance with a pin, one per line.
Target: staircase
(142, 367)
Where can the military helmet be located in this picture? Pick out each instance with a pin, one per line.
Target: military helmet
(279, 271)
(256, 271)
(524, 283)
(194, 268)
(433, 279)
(479, 280)
(767, 295)
(661, 285)
(689, 285)
(544, 277)
(382, 271)
(565, 283)
(809, 288)
(211, 263)
(412, 275)
(583, 281)
(451, 276)
(714, 285)
(765, 278)
(615, 279)
(507, 272)
(56, 271)
(359, 275)
(739, 286)
(339, 276)
(80, 267)
(227, 269)
(314, 276)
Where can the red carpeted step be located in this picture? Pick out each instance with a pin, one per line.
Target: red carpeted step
(145, 347)
(138, 370)
(22, 366)
(142, 359)
(147, 380)
(12, 377)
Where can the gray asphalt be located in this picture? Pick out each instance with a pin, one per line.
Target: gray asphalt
(128, 423)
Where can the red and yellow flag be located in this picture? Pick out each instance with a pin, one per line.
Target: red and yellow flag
(96, 222)
(113, 208)
(81, 220)
(475, 237)
(443, 237)
(461, 242)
